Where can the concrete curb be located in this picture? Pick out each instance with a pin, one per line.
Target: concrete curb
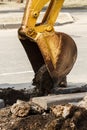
(9, 26)
(47, 101)
(12, 20)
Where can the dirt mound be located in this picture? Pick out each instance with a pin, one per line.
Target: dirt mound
(29, 116)
(10, 95)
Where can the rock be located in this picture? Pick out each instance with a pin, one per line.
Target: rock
(66, 110)
(83, 103)
(20, 108)
(2, 104)
(35, 108)
(61, 111)
(57, 110)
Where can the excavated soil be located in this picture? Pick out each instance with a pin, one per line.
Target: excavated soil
(41, 79)
(28, 116)
(39, 120)
(59, 117)
(10, 95)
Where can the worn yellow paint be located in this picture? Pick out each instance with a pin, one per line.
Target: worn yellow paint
(32, 11)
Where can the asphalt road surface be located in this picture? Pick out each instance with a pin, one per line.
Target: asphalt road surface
(15, 67)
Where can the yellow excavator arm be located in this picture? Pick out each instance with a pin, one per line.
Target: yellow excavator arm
(32, 12)
(43, 44)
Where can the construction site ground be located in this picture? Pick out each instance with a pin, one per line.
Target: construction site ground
(64, 117)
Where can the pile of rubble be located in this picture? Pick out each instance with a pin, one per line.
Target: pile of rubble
(30, 116)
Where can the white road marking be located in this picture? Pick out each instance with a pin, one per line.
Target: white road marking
(15, 73)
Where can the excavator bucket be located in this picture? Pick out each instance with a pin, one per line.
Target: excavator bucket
(43, 45)
(33, 52)
(59, 52)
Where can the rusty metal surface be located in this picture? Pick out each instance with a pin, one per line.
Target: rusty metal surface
(59, 52)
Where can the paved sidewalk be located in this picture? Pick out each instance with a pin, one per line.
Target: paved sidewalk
(11, 16)
(75, 4)
(13, 20)
(11, 13)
